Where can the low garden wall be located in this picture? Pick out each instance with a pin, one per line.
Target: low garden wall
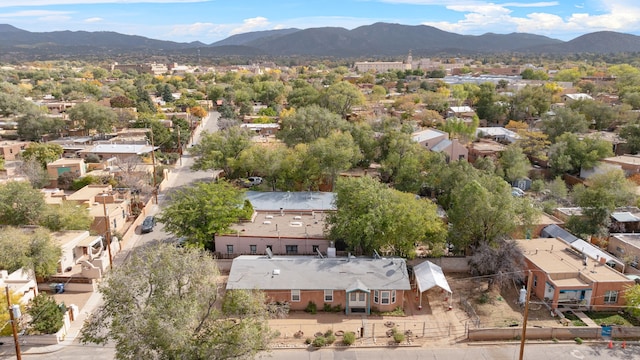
(50, 339)
(453, 264)
(560, 333)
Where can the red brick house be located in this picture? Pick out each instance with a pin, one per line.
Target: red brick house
(355, 284)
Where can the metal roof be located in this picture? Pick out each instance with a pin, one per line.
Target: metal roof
(624, 216)
(288, 201)
(312, 273)
(555, 231)
(442, 145)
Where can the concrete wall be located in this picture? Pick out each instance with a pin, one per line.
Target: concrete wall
(241, 245)
(560, 333)
(447, 263)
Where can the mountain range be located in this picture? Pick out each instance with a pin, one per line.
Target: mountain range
(376, 40)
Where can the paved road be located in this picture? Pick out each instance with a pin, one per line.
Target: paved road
(460, 352)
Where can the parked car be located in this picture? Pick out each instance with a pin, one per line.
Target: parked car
(148, 224)
(251, 181)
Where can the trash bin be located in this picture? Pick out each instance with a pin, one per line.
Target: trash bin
(59, 288)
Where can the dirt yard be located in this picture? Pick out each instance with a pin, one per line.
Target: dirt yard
(498, 307)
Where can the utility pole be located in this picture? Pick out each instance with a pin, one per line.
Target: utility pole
(179, 147)
(12, 318)
(526, 315)
(108, 227)
(153, 161)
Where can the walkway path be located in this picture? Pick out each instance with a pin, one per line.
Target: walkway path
(585, 319)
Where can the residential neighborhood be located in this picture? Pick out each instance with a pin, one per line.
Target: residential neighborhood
(378, 203)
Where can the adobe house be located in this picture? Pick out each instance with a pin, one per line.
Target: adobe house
(438, 141)
(357, 285)
(9, 150)
(565, 277)
(626, 246)
(61, 166)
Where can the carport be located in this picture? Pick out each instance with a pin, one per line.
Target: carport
(429, 275)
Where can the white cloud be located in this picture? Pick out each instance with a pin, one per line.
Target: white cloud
(618, 15)
(13, 3)
(34, 13)
(93, 20)
(199, 30)
(252, 24)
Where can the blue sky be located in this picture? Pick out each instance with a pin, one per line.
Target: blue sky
(212, 20)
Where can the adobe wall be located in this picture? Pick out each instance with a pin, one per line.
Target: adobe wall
(560, 333)
(449, 264)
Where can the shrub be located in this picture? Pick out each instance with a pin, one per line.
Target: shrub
(484, 298)
(578, 340)
(46, 315)
(330, 338)
(327, 308)
(308, 340)
(349, 338)
(320, 341)
(398, 337)
(328, 332)
(311, 308)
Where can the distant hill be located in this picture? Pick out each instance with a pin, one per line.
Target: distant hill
(376, 40)
(244, 39)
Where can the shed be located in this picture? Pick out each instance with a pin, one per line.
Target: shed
(429, 275)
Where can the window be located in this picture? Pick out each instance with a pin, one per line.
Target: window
(352, 296)
(295, 295)
(375, 296)
(384, 297)
(229, 249)
(292, 249)
(315, 248)
(328, 295)
(393, 297)
(253, 249)
(535, 280)
(611, 297)
(361, 296)
(270, 247)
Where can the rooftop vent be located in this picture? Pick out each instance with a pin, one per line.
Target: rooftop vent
(296, 223)
(297, 217)
(266, 222)
(276, 272)
(268, 217)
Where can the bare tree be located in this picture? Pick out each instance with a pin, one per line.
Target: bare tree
(502, 262)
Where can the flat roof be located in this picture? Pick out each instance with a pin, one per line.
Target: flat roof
(65, 161)
(632, 239)
(294, 225)
(624, 159)
(313, 273)
(88, 192)
(71, 237)
(120, 149)
(427, 134)
(291, 201)
(554, 256)
(487, 146)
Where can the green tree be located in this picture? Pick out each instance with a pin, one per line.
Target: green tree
(563, 120)
(46, 315)
(484, 211)
(341, 97)
(93, 116)
(487, 106)
(371, 216)
(221, 149)
(66, 216)
(530, 102)
(533, 143)
(31, 249)
(606, 191)
(631, 134)
(308, 124)
(514, 163)
(632, 299)
(42, 153)
(266, 162)
(199, 212)
(335, 153)
(34, 124)
(570, 153)
(165, 303)
(20, 204)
